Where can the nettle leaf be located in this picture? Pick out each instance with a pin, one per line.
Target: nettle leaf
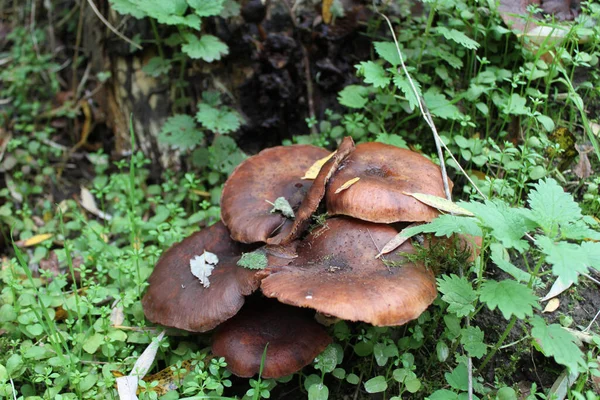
(157, 66)
(458, 37)
(440, 106)
(206, 8)
(447, 225)
(500, 257)
(127, 7)
(458, 293)
(353, 96)
(169, 12)
(557, 342)
(218, 119)
(180, 131)
(592, 250)
(568, 259)
(225, 154)
(551, 206)
(388, 51)
(511, 298)
(254, 260)
(507, 224)
(472, 340)
(208, 48)
(374, 74)
(402, 83)
(578, 230)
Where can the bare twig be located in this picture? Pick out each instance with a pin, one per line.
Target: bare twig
(112, 28)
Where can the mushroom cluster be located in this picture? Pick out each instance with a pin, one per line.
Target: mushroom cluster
(267, 205)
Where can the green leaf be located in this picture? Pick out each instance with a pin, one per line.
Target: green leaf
(208, 48)
(578, 230)
(180, 131)
(169, 12)
(568, 259)
(221, 120)
(283, 206)
(447, 225)
(157, 66)
(374, 74)
(557, 342)
(402, 83)
(127, 7)
(439, 106)
(472, 340)
(225, 155)
(206, 8)
(388, 51)
(458, 37)
(392, 139)
(546, 122)
(458, 378)
(508, 225)
(353, 96)
(318, 391)
(551, 206)
(352, 379)
(443, 394)
(328, 359)
(440, 203)
(92, 343)
(516, 105)
(253, 260)
(511, 298)
(458, 293)
(376, 385)
(499, 257)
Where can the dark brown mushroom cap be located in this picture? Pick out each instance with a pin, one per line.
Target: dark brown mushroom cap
(272, 173)
(336, 273)
(294, 339)
(176, 298)
(386, 172)
(315, 194)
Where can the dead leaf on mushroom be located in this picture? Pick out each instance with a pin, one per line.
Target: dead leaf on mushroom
(347, 184)
(203, 265)
(396, 241)
(314, 169)
(440, 203)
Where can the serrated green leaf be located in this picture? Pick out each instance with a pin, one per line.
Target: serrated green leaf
(447, 225)
(169, 12)
(439, 106)
(157, 66)
(180, 131)
(458, 37)
(557, 342)
(551, 206)
(472, 340)
(353, 96)
(388, 51)
(458, 293)
(458, 378)
(578, 230)
(127, 7)
(208, 47)
(373, 73)
(403, 84)
(253, 260)
(225, 154)
(231, 8)
(392, 139)
(220, 120)
(507, 224)
(283, 206)
(499, 258)
(568, 259)
(206, 8)
(443, 394)
(511, 298)
(376, 385)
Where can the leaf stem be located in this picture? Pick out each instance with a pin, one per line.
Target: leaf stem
(499, 343)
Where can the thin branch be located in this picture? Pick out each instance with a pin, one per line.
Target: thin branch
(112, 28)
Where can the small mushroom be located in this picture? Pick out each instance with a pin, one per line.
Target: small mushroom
(292, 337)
(386, 174)
(263, 178)
(336, 273)
(176, 298)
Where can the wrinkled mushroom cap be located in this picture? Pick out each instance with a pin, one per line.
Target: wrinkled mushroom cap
(272, 173)
(294, 339)
(386, 172)
(336, 273)
(178, 299)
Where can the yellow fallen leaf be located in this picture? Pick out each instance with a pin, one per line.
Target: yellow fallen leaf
(347, 184)
(397, 240)
(201, 193)
(314, 169)
(326, 10)
(552, 305)
(440, 203)
(32, 241)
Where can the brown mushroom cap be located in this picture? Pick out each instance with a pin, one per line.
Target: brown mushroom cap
(385, 173)
(336, 273)
(176, 298)
(315, 194)
(272, 173)
(294, 339)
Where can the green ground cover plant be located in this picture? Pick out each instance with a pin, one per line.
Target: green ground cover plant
(75, 264)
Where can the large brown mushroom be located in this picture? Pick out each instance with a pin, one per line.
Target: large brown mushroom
(177, 298)
(263, 178)
(336, 273)
(386, 174)
(292, 337)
